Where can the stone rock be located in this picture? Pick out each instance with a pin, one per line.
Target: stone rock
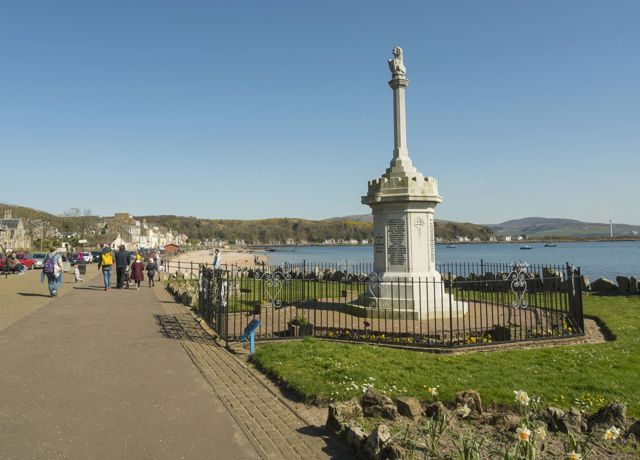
(613, 414)
(584, 283)
(377, 441)
(552, 279)
(554, 419)
(409, 407)
(393, 451)
(575, 421)
(623, 284)
(375, 404)
(507, 422)
(435, 409)
(471, 398)
(633, 285)
(604, 285)
(342, 412)
(355, 437)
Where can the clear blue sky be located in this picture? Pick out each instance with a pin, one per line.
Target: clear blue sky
(255, 109)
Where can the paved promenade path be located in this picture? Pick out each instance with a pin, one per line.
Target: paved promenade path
(125, 375)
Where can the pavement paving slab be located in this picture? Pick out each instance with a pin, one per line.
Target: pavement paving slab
(92, 375)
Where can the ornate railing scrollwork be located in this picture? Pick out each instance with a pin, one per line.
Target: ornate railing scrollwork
(373, 290)
(274, 283)
(518, 282)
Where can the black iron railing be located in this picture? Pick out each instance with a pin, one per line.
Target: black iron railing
(470, 304)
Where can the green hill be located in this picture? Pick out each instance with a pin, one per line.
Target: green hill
(253, 231)
(541, 227)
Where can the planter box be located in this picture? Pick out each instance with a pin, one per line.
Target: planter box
(507, 333)
(300, 330)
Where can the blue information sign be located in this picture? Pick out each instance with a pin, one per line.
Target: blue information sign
(250, 329)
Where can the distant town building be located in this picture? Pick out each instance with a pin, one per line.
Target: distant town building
(122, 228)
(171, 249)
(12, 233)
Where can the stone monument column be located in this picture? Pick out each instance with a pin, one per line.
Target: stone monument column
(403, 202)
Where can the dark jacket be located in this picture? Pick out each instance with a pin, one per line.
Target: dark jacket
(123, 259)
(137, 271)
(151, 269)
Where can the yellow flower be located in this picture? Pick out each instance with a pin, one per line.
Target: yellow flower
(522, 397)
(612, 434)
(464, 411)
(523, 434)
(433, 391)
(573, 456)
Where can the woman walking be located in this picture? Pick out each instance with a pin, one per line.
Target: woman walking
(137, 271)
(53, 268)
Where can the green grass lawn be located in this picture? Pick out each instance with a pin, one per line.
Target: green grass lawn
(585, 376)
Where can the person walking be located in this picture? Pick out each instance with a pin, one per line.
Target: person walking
(76, 273)
(123, 259)
(52, 267)
(151, 271)
(137, 271)
(105, 262)
(217, 260)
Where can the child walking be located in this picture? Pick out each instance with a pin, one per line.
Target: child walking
(151, 271)
(137, 271)
(76, 272)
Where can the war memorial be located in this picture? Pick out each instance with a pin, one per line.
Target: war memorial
(405, 297)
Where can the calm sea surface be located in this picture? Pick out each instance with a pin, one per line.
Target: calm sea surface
(596, 259)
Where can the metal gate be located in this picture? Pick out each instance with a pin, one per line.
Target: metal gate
(213, 299)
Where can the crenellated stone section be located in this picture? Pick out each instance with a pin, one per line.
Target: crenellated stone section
(410, 188)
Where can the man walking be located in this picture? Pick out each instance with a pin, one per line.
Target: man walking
(105, 262)
(53, 268)
(123, 259)
(217, 260)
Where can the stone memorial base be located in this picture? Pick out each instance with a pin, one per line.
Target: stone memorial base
(412, 297)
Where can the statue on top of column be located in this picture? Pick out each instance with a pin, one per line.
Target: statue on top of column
(396, 65)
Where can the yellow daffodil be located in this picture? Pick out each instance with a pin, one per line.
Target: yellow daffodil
(612, 434)
(522, 397)
(523, 434)
(464, 411)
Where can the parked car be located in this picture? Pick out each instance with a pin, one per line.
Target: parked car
(39, 259)
(96, 256)
(87, 257)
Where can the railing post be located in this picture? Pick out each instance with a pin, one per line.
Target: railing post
(450, 310)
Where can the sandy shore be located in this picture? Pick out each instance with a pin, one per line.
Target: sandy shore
(243, 258)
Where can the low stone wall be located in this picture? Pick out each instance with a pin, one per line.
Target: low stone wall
(375, 427)
(622, 286)
(185, 291)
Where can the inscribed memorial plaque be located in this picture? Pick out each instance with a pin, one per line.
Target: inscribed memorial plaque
(396, 243)
(432, 239)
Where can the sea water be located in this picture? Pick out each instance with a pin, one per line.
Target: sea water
(596, 259)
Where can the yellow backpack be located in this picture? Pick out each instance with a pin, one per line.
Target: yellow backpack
(106, 259)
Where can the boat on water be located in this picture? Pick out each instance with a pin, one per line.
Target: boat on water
(526, 246)
(451, 245)
(550, 245)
